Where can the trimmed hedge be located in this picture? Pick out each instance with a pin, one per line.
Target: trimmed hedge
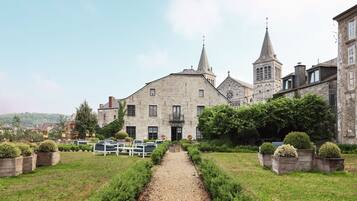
(25, 149)
(127, 185)
(300, 140)
(48, 146)
(220, 186)
(9, 150)
(75, 148)
(159, 152)
(267, 148)
(211, 146)
(348, 148)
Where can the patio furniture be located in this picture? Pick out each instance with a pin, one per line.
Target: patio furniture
(106, 147)
(78, 142)
(144, 149)
(158, 142)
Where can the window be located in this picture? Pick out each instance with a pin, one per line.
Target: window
(267, 72)
(332, 99)
(152, 92)
(201, 93)
(153, 132)
(351, 80)
(131, 130)
(152, 110)
(351, 55)
(176, 111)
(115, 116)
(200, 110)
(288, 84)
(131, 110)
(259, 75)
(104, 116)
(351, 30)
(314, 76)
(198, 134)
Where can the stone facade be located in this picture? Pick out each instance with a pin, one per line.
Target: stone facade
(266, 72)
(346, 73)
(238, 92)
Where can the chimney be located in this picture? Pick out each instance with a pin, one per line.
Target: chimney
(300, 75)
(111, 101)
(100, 106)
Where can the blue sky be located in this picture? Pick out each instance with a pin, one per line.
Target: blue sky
(55, 54)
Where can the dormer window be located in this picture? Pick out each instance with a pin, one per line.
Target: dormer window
(288, 84)
(152, 92)
(352, 30)
(314, 76)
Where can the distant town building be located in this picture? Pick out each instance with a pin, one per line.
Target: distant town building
(266, 72)
(238, 92)
(168, 106)
(320, 79)
(346, 76)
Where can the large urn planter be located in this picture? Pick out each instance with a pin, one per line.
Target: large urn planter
(29, 163)
(48, 158)
(305, 159)
(10, 166)
(329, 164)
(282, 165)
(265, 160)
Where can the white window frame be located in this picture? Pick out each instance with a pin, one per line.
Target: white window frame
(152, 92)
(201, 93)
(351, 30)
(351, 80)
(351, 55)
(314, 76)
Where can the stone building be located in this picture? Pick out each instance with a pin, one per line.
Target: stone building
(168, 106)
(238, 92)
(346, 76)
(266, 72)
(320, 79)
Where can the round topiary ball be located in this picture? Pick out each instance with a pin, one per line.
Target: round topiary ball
(9, 150)
(25, 149)
(266, 148)
(121, 135)
(286, 150)
(299, 140)
(329, 150)
(48, 146)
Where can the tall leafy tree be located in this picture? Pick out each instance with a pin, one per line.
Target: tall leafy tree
(16, 121)
(86, 120)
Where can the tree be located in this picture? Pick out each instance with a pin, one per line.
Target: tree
(86, 120)
(115, 126)
(16, 121)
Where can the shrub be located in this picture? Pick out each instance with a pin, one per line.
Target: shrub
(286, 150)
(159, 152)
(25, 149)
(128, 139)
(85, 147)
(194, 154)
(121, 135)
(127, 185)
(348, 148)
(267, 148)
(9, 150)
(205, 147)
(33, 146)
(299, 140)
(48, 146)
(329, 150)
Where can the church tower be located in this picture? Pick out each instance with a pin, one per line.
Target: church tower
(266, 71)
(204, 68)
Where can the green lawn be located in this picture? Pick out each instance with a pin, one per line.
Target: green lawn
(263, 184)
(77, 176)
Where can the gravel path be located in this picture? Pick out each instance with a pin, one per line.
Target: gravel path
(176, 179)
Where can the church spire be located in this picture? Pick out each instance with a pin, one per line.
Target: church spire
(203, 65)
(267, 51)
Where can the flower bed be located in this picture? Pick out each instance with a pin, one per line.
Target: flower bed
(266, 150)
(74, 148)
(285, 159)
(48, 154)
(10, 160)
(329, 159)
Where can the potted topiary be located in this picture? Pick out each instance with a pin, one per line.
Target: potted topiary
(285, 159)
(10, 160)
(48, 153)
(329, 159)
(29, 158)
(301, 141)
(121, 135)
(266, 150)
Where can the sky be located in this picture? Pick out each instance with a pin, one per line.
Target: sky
(54, 54)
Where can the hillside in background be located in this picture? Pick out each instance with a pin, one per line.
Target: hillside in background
(31, 119)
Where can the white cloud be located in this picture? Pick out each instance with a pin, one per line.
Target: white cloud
(154, 59)
(193, 17)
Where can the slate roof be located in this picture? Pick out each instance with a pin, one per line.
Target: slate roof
(267, 52)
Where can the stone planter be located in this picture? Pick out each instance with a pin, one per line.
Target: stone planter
(265, 160)
(48, 158)
(29, 163)
(305, 159)
(282, 165)
(10, 166)
(329, 164)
